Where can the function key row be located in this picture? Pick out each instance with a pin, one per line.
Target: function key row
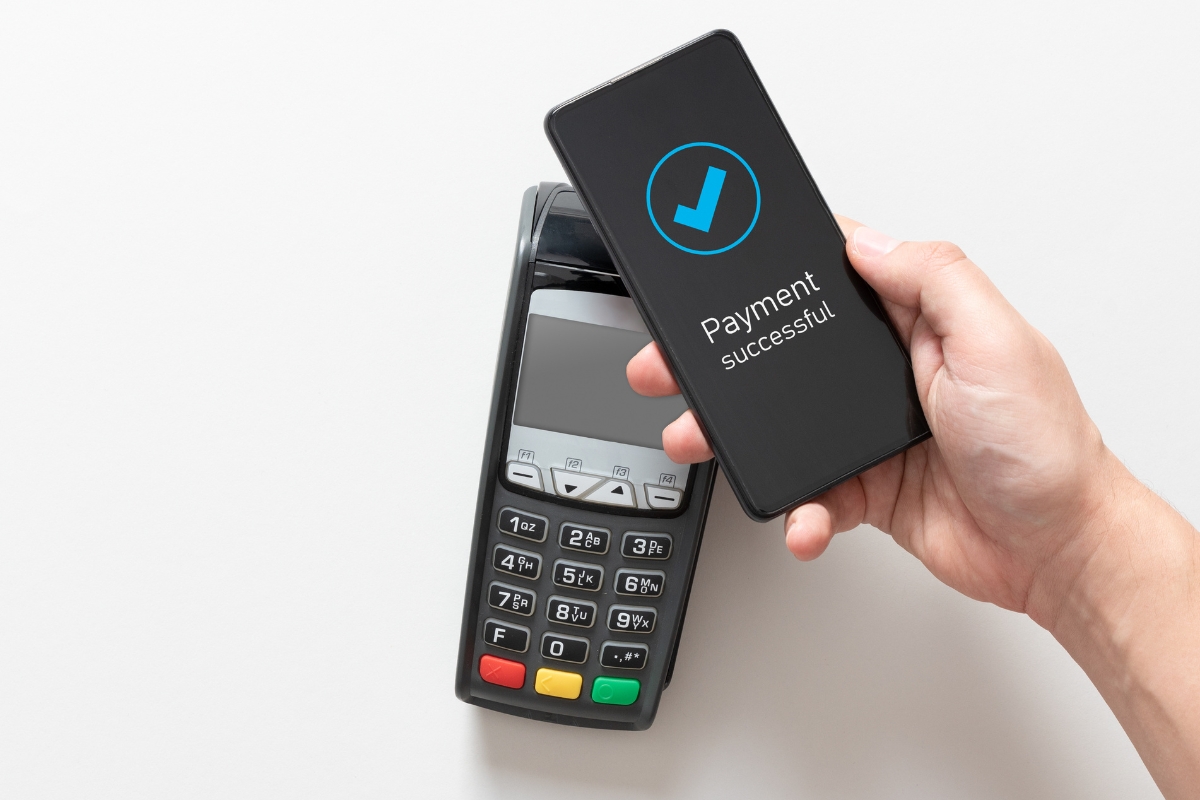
(592, 488)
(584, 538)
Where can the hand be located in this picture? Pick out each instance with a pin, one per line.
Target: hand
(1015, 500)
(1015, 464)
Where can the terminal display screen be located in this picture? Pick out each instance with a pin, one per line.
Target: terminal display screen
(572, 381)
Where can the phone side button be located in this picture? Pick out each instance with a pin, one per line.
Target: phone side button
(502, 672)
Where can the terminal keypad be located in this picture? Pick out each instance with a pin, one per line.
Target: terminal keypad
(574, 576)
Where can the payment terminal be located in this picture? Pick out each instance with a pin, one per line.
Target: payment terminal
(586, 535)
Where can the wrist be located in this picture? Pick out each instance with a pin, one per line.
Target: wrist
(1083, 578)
(1120, 596)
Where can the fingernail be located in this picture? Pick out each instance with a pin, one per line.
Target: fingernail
(871, 243)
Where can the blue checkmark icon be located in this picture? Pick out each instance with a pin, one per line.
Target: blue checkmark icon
(701, 216)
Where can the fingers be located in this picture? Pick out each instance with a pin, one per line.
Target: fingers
(811, 527)
(684, 441)
(847, 225)
(649, 374)
(809, 531)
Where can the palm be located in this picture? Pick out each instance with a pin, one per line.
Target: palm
(976, 502)
(984, 503)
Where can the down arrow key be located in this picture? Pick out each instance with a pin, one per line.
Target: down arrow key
(573, 484)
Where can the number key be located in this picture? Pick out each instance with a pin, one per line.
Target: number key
(655, 546)
(569, 611)
(521, 563)
(510, 598)
(515, 522)
(564, 648)
(639, 582)
(632, 619)
(583, 537)
(573, 575)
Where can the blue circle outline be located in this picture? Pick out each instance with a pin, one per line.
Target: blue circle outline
(757, 199)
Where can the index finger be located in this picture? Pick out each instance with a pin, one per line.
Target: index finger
(649, 374)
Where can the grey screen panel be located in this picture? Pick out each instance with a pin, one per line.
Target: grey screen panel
(573, 381)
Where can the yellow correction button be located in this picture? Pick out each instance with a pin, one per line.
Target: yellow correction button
(557, 683)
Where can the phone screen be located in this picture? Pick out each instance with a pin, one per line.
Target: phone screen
(740, 271)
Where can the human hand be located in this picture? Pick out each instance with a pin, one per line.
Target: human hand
(1015, 500)
(1015, 467)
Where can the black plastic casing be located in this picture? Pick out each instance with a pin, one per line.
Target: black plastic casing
(562, 252)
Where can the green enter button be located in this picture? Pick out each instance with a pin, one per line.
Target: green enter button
(615, 691)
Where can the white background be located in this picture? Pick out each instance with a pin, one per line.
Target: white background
(253, 260)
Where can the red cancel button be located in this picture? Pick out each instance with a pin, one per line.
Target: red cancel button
(502, 672)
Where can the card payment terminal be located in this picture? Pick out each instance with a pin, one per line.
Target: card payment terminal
(586, 534)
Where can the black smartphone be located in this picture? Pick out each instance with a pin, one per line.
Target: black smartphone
(740, 272)
(586, 534)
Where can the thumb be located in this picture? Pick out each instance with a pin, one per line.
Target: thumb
(935, 279)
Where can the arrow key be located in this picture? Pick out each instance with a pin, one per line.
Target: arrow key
(614, 493)
(573, 484)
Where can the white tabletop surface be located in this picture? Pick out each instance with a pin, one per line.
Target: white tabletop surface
(253, 260)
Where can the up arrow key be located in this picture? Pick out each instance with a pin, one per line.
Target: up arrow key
(614, 493)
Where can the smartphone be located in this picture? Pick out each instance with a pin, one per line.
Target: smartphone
(740, 272)
(586, 534)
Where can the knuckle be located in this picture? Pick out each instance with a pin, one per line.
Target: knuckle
(943, 254)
